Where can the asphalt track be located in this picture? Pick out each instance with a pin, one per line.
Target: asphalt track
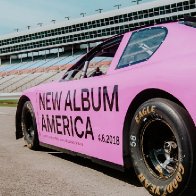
(46, 172)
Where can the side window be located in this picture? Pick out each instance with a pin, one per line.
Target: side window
(100, 63)
(97, 65)
(142, 45)
(96, 62)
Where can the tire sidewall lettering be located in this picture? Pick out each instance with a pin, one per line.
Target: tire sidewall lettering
(173, 185)
(143, 112)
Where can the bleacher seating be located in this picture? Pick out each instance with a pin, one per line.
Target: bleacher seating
(20, 76)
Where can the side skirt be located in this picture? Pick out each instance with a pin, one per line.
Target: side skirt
(95, 160)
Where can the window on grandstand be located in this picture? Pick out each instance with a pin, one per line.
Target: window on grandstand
(142, 45)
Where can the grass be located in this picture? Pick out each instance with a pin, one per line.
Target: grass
(8, 103)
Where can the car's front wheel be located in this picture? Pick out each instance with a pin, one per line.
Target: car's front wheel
(29, 127)
(162, 147)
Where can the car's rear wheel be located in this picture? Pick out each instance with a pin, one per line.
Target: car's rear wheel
(162, 147)
(29, 127)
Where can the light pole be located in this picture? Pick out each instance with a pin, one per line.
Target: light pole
(53, 21)
(118, 6)
(67, 17)
(136, 1)
(99, 10)
(82, 14)
(40, 24)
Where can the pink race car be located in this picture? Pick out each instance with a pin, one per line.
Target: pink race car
(129, 102)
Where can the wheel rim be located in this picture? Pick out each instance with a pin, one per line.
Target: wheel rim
(29, 126)
(159, 149)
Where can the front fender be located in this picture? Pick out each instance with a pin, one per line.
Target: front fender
(18, 126)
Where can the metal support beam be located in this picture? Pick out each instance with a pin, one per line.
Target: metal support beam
(58, 53)
(45, 55)
(72, 50)
(88, 47)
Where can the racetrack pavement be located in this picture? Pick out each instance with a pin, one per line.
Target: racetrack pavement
(46, 172)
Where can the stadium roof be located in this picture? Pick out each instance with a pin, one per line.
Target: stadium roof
(94, 27)
(142, 6)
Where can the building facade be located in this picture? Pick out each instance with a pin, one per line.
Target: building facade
(73, 33)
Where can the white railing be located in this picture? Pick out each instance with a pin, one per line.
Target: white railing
(10, 96)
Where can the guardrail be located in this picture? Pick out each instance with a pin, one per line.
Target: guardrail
(10, 96)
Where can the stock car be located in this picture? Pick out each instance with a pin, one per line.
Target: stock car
(129, 102)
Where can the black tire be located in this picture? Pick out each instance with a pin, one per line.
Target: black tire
(162, 146)
(29, 127)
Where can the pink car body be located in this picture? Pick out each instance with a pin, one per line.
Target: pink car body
(88, 116)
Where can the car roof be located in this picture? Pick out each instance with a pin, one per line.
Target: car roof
(164, 22)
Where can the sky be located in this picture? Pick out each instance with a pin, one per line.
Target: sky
(18, 14)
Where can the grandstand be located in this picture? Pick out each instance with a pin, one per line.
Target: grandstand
(39, 55)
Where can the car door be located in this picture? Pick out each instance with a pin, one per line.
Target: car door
(78, 112)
